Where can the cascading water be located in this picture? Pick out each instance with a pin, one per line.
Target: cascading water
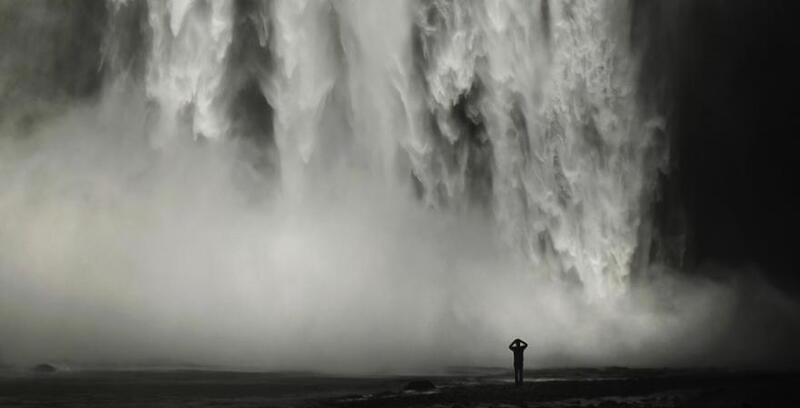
(525, 108)
(186, 64)
(549, 97)
(264, 178)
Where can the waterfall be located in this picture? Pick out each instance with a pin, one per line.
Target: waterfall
(525, 110)
(548, 94)
(376, 186)
(185, 67)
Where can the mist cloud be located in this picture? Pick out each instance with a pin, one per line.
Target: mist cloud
(112, 252)
(142, 224)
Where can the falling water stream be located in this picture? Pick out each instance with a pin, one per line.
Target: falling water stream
(340, 185)
(524, 108)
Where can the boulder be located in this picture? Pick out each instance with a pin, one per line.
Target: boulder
(44, 368)
(419, 385)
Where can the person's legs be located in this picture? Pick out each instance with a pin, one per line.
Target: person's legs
(521, 372)
(517, 376)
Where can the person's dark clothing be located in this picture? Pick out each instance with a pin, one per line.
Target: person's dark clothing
(517, 357)
(518, 347)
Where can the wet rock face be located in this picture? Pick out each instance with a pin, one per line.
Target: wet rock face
(44, 369)
(51, 55)
(419, 385)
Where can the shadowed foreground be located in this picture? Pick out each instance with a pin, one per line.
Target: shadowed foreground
(611, 387)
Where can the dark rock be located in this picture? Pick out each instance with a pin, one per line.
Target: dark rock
(44, 368)
(420, 385)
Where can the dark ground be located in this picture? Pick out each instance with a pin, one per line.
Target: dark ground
(609, 387)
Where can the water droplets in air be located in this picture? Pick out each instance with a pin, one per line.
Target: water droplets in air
(523, 111)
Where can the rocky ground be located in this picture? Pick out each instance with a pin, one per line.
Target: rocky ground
(616, 387)
(474, 388)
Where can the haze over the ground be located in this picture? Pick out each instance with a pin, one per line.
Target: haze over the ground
(348, 190)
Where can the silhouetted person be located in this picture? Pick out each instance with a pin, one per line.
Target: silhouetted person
(518, 347)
